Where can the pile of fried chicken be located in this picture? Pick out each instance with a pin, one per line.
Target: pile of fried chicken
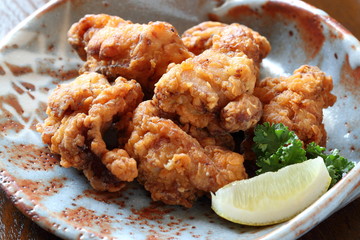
(163, 109)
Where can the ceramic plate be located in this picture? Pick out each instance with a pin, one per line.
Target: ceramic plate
(36, 57)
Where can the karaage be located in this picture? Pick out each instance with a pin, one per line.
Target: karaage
(116, 47)
(172, 165)
(79, 115)
(298, 102)
(229, 38)
(205, 91)
(199, 38)
(81, 32)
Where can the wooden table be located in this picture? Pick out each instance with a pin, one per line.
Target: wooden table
(343, 225)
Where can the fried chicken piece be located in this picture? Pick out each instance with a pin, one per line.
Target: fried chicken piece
(80, 33)
(297, 102)
(172, 165)
(199, 89)
(134, 51)
(209, 138)
(100, 178)
(199, 38)
(241, 114)
(79, 115)
(234, 37)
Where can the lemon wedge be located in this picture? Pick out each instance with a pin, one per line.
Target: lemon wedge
(272, 197)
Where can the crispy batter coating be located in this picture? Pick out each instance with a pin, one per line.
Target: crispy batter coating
(213, 137)
(172, 165)
(134, 51)
(79, 115)
(199, 88)
(199, 38)
(81, 32)
(297, 102)
(230, 38)
(241, 114)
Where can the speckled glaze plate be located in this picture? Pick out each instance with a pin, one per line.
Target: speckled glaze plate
(35, 57)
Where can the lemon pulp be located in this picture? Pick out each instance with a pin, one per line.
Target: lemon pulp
(272, 197)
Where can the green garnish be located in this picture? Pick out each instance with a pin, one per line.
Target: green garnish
(276, 147)
(336, 164)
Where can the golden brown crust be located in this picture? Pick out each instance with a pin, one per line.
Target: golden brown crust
(79, 114)
(200, 87)
(199, 38)
(297, 102)
(206, 137)
(173, 165)
(134, 51)
(241, 114)
(230, 38)
(81, 32)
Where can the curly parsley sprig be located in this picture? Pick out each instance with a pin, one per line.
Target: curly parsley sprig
(337, 165)
(276, 147)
